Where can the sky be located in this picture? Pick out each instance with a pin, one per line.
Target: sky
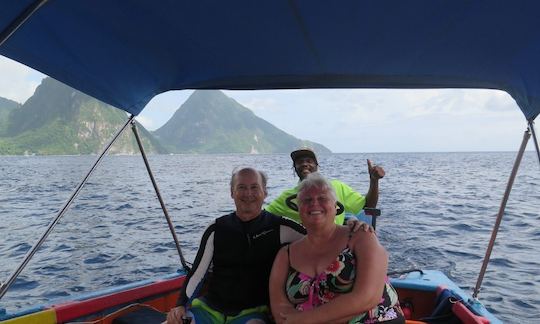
(350, 120)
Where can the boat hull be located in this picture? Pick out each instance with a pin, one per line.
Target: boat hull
(107, 305)
(422, 294)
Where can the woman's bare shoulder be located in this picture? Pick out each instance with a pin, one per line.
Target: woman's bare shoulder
(363, 238)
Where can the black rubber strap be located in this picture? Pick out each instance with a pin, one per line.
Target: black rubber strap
(292, 205)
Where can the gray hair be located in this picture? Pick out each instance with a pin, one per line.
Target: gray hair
(316, 180)
(236, 171)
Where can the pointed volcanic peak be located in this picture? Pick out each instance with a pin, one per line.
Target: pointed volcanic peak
(211, 122)
(8, 105)
(60, 120)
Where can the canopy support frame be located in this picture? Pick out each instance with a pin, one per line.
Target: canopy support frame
(158, 194)
(5, 285)
(526, 136)
(19, 21)
(535, 139)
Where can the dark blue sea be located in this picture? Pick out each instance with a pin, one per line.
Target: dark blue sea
(438, 212)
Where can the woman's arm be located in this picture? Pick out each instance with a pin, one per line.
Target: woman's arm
(368, 285)
(279, 303)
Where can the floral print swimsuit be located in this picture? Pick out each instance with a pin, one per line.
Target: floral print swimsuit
(306, 292)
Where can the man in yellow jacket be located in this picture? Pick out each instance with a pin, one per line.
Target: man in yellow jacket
(305, 162)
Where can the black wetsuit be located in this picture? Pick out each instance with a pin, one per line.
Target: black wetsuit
(239, 256)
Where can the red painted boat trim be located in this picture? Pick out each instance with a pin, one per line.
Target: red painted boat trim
(72, 310)
(465, 315)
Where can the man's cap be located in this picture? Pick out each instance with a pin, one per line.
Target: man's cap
(303, 152)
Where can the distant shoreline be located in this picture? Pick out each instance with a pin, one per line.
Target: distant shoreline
(236, 153)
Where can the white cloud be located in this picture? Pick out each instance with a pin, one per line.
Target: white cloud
(17, 82)
(147, 122)
(386, 120)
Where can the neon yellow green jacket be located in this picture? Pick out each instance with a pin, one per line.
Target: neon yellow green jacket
(352, 200)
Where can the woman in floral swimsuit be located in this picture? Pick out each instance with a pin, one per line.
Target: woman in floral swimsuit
(331, 263)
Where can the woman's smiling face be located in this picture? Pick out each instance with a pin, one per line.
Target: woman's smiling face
(316, 205)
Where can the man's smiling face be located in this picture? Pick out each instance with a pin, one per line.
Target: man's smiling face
(305, 165)
(248, 194)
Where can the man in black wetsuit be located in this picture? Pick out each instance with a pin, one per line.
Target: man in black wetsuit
(239, 248)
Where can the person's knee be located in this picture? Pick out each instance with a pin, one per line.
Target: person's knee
(255, 321)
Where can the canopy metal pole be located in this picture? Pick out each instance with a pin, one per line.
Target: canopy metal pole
(163, 207)
(19, 21)
(509, 185)
(5, 285)
(535, 139)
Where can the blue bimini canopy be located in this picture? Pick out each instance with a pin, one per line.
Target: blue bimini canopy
(124, 52)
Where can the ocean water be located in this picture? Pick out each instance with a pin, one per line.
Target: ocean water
(438, 210)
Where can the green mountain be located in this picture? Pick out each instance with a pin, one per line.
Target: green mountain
(58, 119)
(211, 122)
(6, 106)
